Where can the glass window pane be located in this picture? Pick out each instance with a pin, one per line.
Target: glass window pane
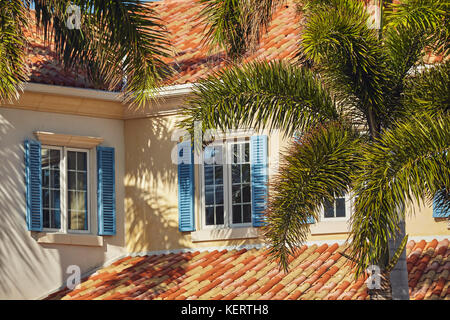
(209, 195)
(54, 179)
(245, 173)
(209, 174)
(45, 198)
(218, 175)
(246, 194)
(72, 180)
(219, 195)
(55, 199)
(247, 152)
(235, 153)
(46, 218)
(236, 173)
(45, 178)
(71, 160)
(209, 216)
(77, 220)
(219, 215)
(44, 158)
(236, 194)
(247, 213)
(54, 158)
(328, 209)
(81, 161)
(56, 219)
(237, 218)
(77, 200)
(340, 207)
(81, 181)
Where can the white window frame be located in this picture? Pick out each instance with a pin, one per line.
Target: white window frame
(228, 216)
(64, 196)
(348, 209)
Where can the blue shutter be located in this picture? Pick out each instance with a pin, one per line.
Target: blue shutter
(259, 168)
(33, 185)
(106, 193)
(186, 187)
(438, 211)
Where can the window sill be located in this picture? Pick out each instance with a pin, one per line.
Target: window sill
(225, 234)
(69, 239)
(330, 227)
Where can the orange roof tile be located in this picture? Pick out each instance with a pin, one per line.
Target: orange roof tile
(314, 273)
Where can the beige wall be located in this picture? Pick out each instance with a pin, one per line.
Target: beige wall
(29, 269)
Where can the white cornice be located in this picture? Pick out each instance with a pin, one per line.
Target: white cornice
(163, 92)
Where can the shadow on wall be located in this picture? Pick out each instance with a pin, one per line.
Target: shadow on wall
(151, 186)
(19, 254)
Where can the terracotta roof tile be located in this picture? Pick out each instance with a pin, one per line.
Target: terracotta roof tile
(315, 273)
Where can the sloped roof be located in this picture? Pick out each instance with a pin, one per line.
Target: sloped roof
(192, 59)
(316, 272)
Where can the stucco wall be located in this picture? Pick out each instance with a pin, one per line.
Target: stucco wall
(29, 269)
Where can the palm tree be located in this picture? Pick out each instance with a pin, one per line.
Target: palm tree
(111, 41)
(372, 121)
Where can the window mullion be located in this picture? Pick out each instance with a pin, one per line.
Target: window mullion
(64, 194)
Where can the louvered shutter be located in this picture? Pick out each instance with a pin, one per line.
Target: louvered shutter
(259, 176)
(33, 182)
(439, 211)
(106, 193)
(186, 187)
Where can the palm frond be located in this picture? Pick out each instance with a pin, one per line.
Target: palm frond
(315, 168)
(408, 163)
(260, 94)
(394, 259)
(13, 68)
(236, 25)
(428, 90)
(117, 40)
(348, 54)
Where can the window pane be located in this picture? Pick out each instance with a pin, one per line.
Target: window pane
(45, 198)
(54, 158)
(209, 174)
(245, 173)
(247, 152)
(247, 213)
(55, 199)
(81, 161)
(236, 173)
(246, 193)
(81, 181)
(45, 158)
(209, 216)
(235, 153)
(72, 180)
(71, 160)
(46, 218)
(328, 209)
(236, 194)
(77, 220)
(237, 214)
(54, 179)
(45, 178)
(218, 175)
(340, 207)
(77, 200)
(56, 219)
(209, 195)
(219, 195)
(219, 215)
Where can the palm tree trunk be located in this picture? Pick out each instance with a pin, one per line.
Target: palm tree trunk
(399, 274)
